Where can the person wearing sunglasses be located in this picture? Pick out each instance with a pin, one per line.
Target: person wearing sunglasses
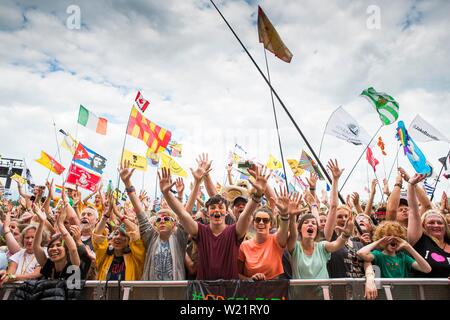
(164, 239)
(260, 258)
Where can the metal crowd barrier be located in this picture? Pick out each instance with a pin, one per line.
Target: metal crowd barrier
(327, 289)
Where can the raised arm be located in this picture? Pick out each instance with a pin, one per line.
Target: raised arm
(71, 214)
(179, 185)
(229, 175)
(394, 199)
(70, 243)
(339, 243)
(336, 172)
(165, 184)
(294, 209)
(415, 229)
(282, 204)
(205, 165)
(261, 176)
(39, 252)
(46, 205)
(420, 264)
(21, 193)
(356, 202)
(11, 242)
(373, 190)
(125, 173)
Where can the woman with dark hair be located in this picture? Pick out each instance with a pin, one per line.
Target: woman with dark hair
(62, 250)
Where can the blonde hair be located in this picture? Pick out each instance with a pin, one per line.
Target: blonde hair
(435, 212)
(389, 228)
(346, 208)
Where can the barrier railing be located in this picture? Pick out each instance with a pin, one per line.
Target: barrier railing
(300, 289)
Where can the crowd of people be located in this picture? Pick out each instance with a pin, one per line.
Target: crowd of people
(248, 230)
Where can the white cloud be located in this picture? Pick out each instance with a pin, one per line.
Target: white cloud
(203, 86)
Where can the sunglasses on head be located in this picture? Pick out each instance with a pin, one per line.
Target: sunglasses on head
(165, 219)
(264, 220)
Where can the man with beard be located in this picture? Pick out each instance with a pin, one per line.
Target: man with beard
(88, 220)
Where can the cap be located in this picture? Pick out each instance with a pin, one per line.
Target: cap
(403, 202)
(239, 198)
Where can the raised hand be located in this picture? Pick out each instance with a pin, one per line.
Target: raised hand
(125, 173)
(75, 231)
(203, 167)
(165, 180)
(41, 215)
(261, 177)
(373, 185)
(312, 180)
(282, 201)
(49, 185)
(348, 227)
(333, 167)
(295, 204)
(355, 198)
(444, 201)
(179, 185)
(404, 174)
(416, 178)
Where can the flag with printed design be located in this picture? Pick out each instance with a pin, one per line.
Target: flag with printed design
(91, 121)
(155, 137)
(295, 167)
(58, 189)
(273, 163)
(175, 149)
(141, 102)
(380, 144)
(412, 151)
(175, 168)
(153, 158)
(270, 38)
(50, 163)
(136, 161)
(68, 142)
(308, 164)
(343, 126)
(18, 178)
(89, 159)
(423, 131)
(385, 105)
(429, 188)
(371, 159)
(79, 176)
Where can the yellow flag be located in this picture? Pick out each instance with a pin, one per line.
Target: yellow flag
(273, 163)
(18, 178)
(235, 157)
(168, 162)
(295, 167)
(270, 38)
(136, 161)
(50, 163)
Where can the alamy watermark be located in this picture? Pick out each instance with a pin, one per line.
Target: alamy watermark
(73, 21)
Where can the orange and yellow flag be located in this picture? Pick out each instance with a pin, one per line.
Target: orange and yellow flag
(270, 38)
(50, 163)
(155, 137)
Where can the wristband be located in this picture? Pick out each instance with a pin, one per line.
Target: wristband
(256, 198)
(123, 218)
(345, 236)
(398, 185)
(284, 218)
(312, 189)
(130, 189)
(65, 234)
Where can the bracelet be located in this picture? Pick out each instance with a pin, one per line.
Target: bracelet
(9, 231)
(65, 234)
(130, 189)
(256, 198)
(312, 189)
(123, 218)
(284, 218)
(398, 185)
(345, 236)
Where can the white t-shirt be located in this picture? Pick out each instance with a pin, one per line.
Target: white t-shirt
(26, 263)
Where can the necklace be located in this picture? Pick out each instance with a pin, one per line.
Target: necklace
(25, 267)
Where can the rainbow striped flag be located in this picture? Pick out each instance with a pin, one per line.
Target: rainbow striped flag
(58, 189)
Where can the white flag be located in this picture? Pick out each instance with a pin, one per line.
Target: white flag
(342, 125)
(421, 130)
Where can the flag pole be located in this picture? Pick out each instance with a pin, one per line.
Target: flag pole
(325, 129)
(392, 168)
(57, 146)
(123, 148)
(143, 179)
(362, 153)
(280, 101)
(276, 123)
(379, 186)
(439, 175)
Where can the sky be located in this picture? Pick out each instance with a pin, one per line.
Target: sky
(203, 87)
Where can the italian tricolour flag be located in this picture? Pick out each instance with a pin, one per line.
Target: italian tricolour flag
(91, 121)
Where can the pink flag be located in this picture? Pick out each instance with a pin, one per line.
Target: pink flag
(83, 178)
(371, 159)
(141, 102)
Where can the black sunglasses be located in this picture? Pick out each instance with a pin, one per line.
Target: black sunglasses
(265, 220)
(165, 219)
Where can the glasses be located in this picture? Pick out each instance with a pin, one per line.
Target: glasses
(165, 219)
(264, 220)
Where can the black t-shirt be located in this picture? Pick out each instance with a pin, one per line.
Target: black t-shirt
(49, 271)
(88, 242)
(345, 262)
(438, 259)
(117, 268)
(85, 261)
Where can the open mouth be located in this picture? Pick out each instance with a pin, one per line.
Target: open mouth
(84, 220)
(393, 244)
(217, 215)
(310, 231)
(54, 254)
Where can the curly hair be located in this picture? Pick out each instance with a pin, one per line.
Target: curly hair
(389, 228)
